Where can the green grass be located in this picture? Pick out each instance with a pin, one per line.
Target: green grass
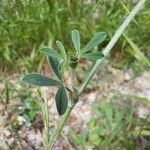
(113, 125)
(26, 25)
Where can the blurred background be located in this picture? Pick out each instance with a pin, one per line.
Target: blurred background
(124, 82)
(27, 24)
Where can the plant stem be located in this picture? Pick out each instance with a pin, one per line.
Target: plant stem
(95, 68)
(61, 125)
(90, 75)
(46, 121)
(113, 41)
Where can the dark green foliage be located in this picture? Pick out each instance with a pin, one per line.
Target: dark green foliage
(61, 100)
(86, 52)
(39, 80)
(62, 60)
(56, 65)
(28, 25)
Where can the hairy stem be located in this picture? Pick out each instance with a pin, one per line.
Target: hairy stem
(60, 126)
(90, 75)
(106, 51)
(46, 120)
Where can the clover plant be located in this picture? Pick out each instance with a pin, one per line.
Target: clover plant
(62, 61)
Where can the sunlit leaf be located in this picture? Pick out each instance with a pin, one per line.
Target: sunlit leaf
(62, 49)
(75, 35)
(40, 80)
(61, 100)
(95, 41)
(50, 52)
(93, 56)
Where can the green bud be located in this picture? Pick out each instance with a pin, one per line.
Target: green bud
(73, 61)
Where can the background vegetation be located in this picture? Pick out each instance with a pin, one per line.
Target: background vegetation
(27, 25)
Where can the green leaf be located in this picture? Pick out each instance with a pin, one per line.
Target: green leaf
(56, 65)
(143, 100)
(62, 49)
(61, 100)
(95, 41)
(93, 56)
(75, 35)
(40, 80)
(50, 52)
(136, 52)
(144, 132)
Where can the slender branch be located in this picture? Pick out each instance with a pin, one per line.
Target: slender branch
(113, 41)
(61, 125)
(46, 120)
(90, 75)
(95, 68)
